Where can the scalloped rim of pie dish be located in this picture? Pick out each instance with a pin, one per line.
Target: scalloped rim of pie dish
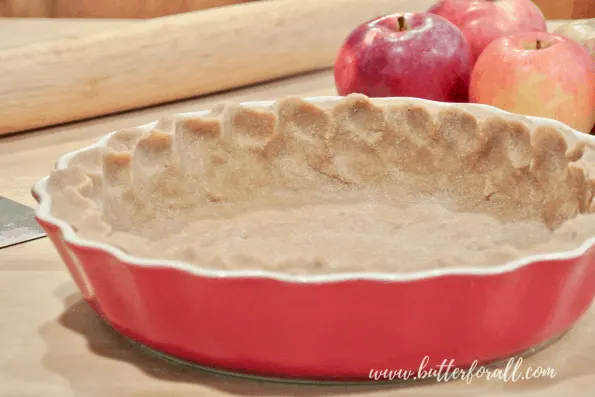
(69, 235)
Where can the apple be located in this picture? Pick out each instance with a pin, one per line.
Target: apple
(483, 21)
(537, 74)
(406, 54)
(582, 31)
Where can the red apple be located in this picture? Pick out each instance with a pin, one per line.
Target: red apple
(414, 55)
(483, 21)
(537, 74)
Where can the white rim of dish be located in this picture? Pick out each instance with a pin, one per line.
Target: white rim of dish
(69, 235)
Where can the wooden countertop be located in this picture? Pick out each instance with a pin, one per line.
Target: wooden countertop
(53, 345)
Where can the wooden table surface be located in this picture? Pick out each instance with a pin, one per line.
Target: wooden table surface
(53, 345)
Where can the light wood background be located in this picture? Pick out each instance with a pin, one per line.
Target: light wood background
(553, 9)
(105, 8)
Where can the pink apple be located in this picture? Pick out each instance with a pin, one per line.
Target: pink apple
(414, 55)
(537, 74)
(483, 21)
(582, 31)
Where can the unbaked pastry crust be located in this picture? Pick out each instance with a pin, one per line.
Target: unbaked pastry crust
(353, 186)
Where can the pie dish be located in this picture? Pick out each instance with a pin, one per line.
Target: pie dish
(324, 237)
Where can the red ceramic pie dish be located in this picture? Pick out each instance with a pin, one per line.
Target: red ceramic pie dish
(327, 327)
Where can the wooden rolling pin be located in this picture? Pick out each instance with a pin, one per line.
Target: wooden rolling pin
(176, 57)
